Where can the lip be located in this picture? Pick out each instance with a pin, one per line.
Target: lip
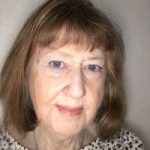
(72, 111)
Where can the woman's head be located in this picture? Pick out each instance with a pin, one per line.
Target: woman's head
(66, 86)
(81, 29)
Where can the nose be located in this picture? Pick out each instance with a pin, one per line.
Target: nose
(75, 88)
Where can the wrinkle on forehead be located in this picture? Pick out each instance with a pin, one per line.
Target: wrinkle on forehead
(69, 49)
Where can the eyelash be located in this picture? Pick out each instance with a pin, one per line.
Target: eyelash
(56, 64)
(94, 68)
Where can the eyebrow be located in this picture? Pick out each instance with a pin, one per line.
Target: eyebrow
(64, 54)
(97, 58)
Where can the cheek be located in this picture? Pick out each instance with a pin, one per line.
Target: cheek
(39, 98)
(94, 99)
(43, 93)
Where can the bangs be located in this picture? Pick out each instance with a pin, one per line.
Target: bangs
(75, 35)
(65, 35)
(75, 26)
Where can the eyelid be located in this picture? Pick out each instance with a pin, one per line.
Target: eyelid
(62, 64)
(97, 67)
(51, 61)
(93, 68)
(98, 63)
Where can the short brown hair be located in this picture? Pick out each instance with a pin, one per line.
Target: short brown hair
(82, 23)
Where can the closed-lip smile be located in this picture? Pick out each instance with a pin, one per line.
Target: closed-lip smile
(72, 111)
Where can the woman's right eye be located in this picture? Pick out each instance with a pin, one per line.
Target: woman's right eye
(55, 64)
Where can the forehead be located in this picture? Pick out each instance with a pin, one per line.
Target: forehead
(76, 52)
(70, 43)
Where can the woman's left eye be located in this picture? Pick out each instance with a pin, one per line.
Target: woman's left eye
(94, 68)
(56, 64)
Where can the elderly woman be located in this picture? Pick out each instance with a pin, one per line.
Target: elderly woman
(61, 85)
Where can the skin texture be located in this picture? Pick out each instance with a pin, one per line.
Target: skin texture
(66, 86)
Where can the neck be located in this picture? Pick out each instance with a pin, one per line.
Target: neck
(43, 139)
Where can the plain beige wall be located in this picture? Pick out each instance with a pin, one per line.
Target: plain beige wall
(133, 16)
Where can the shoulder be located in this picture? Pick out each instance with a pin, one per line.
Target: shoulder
(124, 140)
(8, 142)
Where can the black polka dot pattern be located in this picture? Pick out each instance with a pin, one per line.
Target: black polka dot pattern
(126, 140)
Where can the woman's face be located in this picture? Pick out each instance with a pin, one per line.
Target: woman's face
(66, 86)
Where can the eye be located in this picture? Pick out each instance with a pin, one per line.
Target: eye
(56, 64)
(94, 68)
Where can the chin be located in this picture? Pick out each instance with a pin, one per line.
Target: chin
(65, 124)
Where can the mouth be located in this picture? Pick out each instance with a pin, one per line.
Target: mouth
(72, 111)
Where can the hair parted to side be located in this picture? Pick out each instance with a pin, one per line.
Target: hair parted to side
(82, 23)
